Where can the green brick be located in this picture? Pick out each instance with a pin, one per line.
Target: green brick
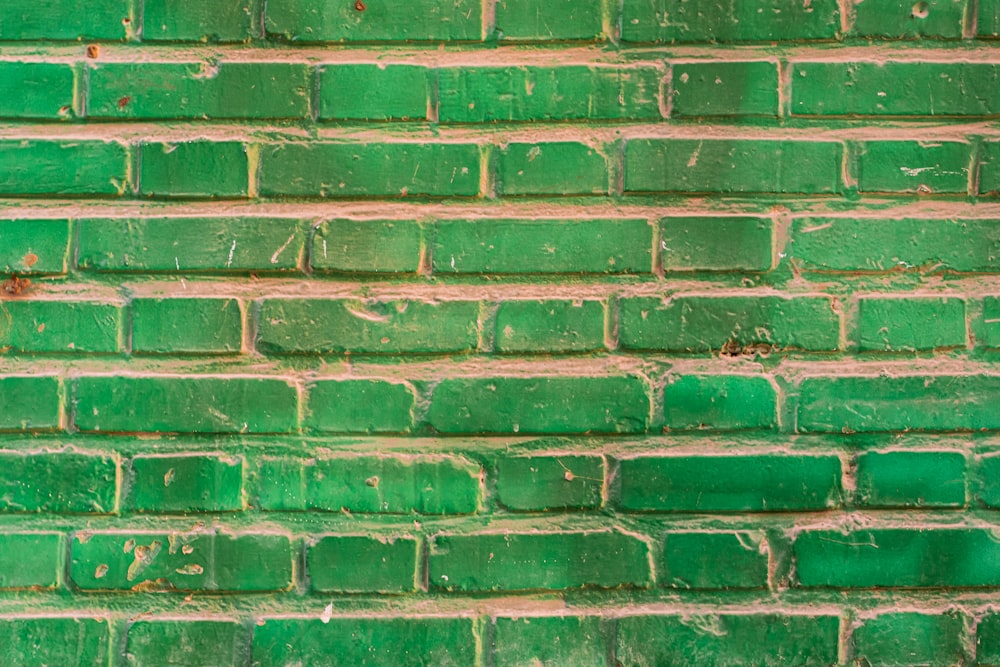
(35, 90)
(911, 479)
(291, 326)
(30, 560)
(550, 326)
(707, 323)
(988, 492)
(916, 557)
(986, 328)
(543, 246)
(360, 406)
(725, 89)
(549, 640)
(540, 405)
(63, 167)
(904, 639)
(899, 403)
(64, 481)
(902, 18)
(278, 484)
(911, 323)
(989, 21)
(550, 481)
(397, 641)
(764, 640)
(510, 561)
(187, 483)
(29, 403)
(719, 402)
(389, 21)
(879, 246)
(910, 166)
(393, 485)
(67, 641)
(528, 20)
(714, 560)
(216, 245)
(669, 21)
(716, 244)
(58, 20)
(373, 92)
(186, 404)
(366, 246)
(186, 326)
(369, 170)
(989, 168)
(195, 169)
(362, 564)
(195, 561)
(730, 483)
(180, 21)
(988, 640)
(198, 90)
(563, 168)
(872, 89)
(60, 326)
(191, 642)
(732, 166)
(34, 246)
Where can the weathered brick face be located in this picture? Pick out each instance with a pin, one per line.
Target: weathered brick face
(499, 332)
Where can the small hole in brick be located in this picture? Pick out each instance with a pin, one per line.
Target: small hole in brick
(359, 5)
(921, 10)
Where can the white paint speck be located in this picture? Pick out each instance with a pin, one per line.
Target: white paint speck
(229, 263)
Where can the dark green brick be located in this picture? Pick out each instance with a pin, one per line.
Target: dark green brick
(849, 404)
(198, 90)
(60, 326)
(540, 405)
(989, 169)
(181, 21)
(550, 326)
(58, 482)
(543, 246)
(528, 20)
(988, 640)
(60, 20)
(34, 246)
(716, 244)
(549, 640)
(557, 168)
(394, 485)
(911, 323)
(35, 90)
(902, 18)
(732, 166)
(986, 328)
(904, 639)
(194, 642)
(186, 404)
(366, 170)
(714, 560)
(362, 564)
(550, 481)
(989, 21)
(911, 479)
(730, 483)
(510, 561)
(186, 326)
(725, 89)
(278, 484)
(373, 92)
(63, 167)
(764, 640)
(706, 323)
(245, 562)
(388, 21)
(719, 402)
(187, 483)
(195, 169)
(48, 639)
(668, 21)
(526, 93)
(366, 246)
(29, 403)
(910, 166)
(360, 406)
(30, 560)
(988, 492)
(217, 245)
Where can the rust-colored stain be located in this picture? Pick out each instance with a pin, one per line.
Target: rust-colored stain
(14, 286)
(30, 259)
(93, 51)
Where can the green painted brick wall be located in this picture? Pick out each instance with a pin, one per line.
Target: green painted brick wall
(495, 333)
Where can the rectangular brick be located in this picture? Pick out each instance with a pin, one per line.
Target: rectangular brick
(391, 21)
(911, 166)
(550, 481)
(550, 326)
(549, 640)
(180, 21)
(278, 483)
(491, 94)
(197, 642)
(49, 639)
(60, 326)
(174, 245)
(554, 20)
(714, 560)
(730, 483)
(899, 403)
(30, 560)
(724, 89)
(894, 19)
(540, 405)
(59, 481)
(988, 23)
(360, 406)
(986, 327)
(722, 402)
(670, 21)
(363, 564)
(909, 638)
(374, 92)
(30, 403)
(34, 246)
(988, 640)
(511, 561)
(898, 478)
(732, 165)
(707, 323)
(291, 326)
(175, 483)
(987, 482)
(716, 244)
(910, 323)
(36, 90)
(63, 167)
(543, 246)
(555, 168)
(186, 326)
(989, 169)
(367, 170)
(366, 246)
(189, 404)
(59, 20)
(194, 169)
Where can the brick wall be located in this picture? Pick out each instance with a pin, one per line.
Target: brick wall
(500, 332)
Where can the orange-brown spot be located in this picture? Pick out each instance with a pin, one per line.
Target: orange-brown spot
(93, 50)
(30, 259)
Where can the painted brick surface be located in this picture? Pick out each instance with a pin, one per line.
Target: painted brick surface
(497, 333)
